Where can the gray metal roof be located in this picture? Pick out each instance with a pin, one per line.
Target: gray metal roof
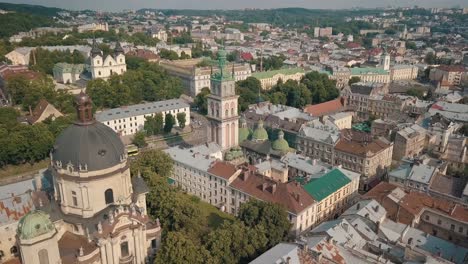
(279, 254)
(95, 146)
(140, 109)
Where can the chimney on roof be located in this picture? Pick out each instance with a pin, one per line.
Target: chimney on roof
(273, 188)
(245, 175)
(264, 185)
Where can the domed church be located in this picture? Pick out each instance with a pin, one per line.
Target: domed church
(97, 212)
(257, 147)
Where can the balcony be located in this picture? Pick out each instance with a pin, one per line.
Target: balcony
(126, 260)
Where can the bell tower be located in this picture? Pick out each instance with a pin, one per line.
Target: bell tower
(223, 106)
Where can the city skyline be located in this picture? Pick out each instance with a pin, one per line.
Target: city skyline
(118, 5)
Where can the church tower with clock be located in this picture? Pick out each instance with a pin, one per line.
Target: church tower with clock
(223, 106)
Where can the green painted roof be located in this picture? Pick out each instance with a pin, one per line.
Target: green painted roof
(244, 133)
(280, 144)
(170, 181)
(34, 224)
(368, 70)
(260, 133)
(329, 183)
(270, 74)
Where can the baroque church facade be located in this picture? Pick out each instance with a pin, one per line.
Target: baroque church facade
(102, 67)
(97, 212)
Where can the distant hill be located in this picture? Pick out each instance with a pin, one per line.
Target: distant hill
(25, 18)
(31, 9)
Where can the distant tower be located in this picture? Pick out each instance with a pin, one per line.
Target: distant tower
(222, 107)
(385, 60)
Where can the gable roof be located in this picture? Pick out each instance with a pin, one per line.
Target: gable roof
(39, 111)
(326, 185)
(290, 195)
(321, 109)
(223, 169)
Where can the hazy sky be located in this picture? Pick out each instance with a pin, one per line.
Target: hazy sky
(116, 5)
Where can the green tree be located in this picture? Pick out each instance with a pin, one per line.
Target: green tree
(272, 217)
(154, 160)
(415, 92)
(158, 123)
(354, 79)
(411, 45)
(177, 248)
(236, 243)
(430, 58)
(8, 116)
(169, 122)
(139, 139)
(201, 100)
(181, 119)
(248, 91)
(168, 54)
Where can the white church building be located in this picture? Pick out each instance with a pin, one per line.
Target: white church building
(102, 67)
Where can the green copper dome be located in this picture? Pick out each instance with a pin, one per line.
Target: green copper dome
(34, 224)
(260, 133)
(244, 131)
(280, 144)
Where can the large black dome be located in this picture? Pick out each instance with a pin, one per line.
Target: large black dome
(94, 145)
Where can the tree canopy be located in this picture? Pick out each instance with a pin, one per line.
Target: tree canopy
(147, 83)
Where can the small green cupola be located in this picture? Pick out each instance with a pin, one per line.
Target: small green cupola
(280, 144)
(244, 131)
(34, 224)
(260, 133)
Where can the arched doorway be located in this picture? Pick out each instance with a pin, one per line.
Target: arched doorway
(109, 196)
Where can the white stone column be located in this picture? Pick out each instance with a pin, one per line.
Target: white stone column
(102, 249)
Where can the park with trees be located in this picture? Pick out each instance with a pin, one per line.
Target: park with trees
(197, 232)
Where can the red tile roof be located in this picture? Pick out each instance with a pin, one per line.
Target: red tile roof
(413, 203)
(290, 195)
(247, 56)
(223, 169)
(325, 108)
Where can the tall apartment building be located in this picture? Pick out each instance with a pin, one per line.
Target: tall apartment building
(195, 78)
(450, 74)
(359, 152)
(409, 142)
(127, 120)
(403, 72)
(359, 97)
(323, 32)
(317, 140)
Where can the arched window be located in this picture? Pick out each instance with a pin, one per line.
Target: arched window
(110, 63)
(99, 73)
(109, 196)
(124, 252)
(226, 112)
(43, 256)
(232, 108)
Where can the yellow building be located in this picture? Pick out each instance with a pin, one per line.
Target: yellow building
(268, 79)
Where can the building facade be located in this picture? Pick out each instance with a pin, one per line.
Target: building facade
(222, 105)
(128, 120)
(268, 79)
(195, 78)
(98, 212)
(102, 67)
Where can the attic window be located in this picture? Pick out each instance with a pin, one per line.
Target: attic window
(102, 152)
